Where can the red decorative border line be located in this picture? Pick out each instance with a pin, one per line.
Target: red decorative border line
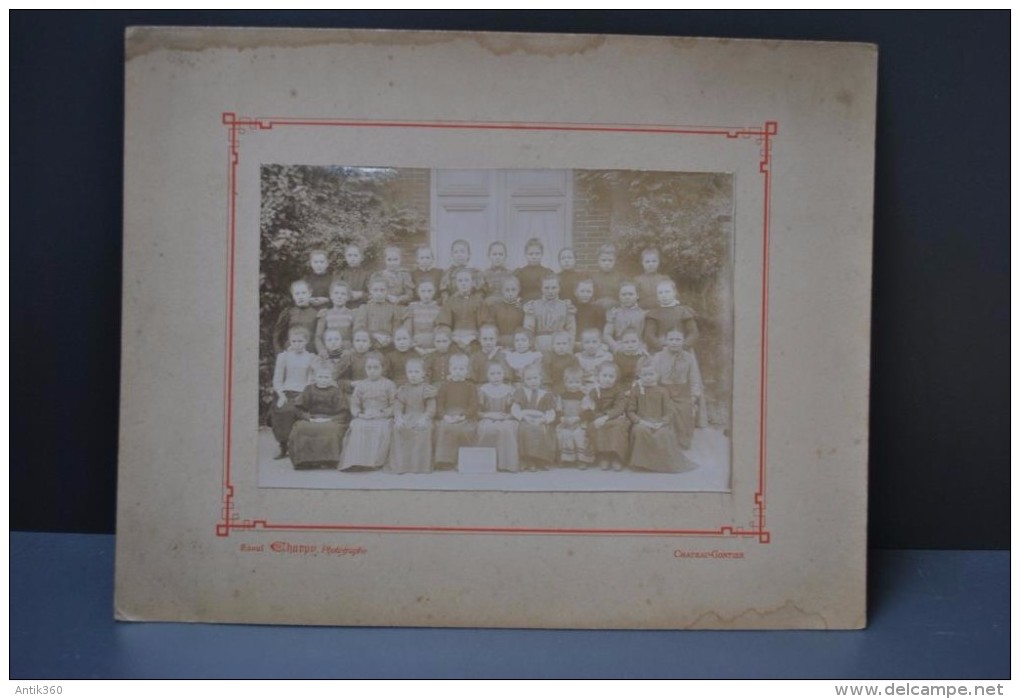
(230, 519)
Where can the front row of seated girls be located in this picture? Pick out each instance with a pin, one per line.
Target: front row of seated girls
(348, 414)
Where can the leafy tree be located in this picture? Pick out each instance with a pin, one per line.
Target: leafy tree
(306, 208)
(684, 215)
(688, 218)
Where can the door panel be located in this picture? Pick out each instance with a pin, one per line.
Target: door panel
(540, 218)
(463, 206)
(508, 205)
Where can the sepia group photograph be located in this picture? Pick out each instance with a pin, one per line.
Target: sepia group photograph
(495, 329)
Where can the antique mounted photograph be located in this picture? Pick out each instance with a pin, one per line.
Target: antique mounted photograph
(495, 329)
(538, 318)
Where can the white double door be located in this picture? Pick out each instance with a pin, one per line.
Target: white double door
(482, 206)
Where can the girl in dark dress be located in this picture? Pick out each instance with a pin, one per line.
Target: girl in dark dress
(627, 357)
(506, 313)
(398, 357)
(653, 442)
(669, 314)
(569, 275)
(607, 278)
(316, 439)
(319, 278)
(680, 376)
(533, 272)
(649, 280)
(352, 364)
(457, 413)
(463, 312)
(610, 429)
(497, 272)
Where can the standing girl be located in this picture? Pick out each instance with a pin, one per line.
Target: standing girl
(628, 355)
(549, 314)
(460, 254)
(437, 363)
(424, 269)
(669, 314)
(487, 353)
(292, 374)
(506, 313)
(421, 317)
(532, 274)
(593, 354)
(336, 357)
(398, 357)
(338, 317)
(627, 316)
(399, 286)
(589, 314)
(319, 278)
(355, 275)
(496, 273)
(379, 317)
(569, 276)
(463, 311)
(300, 314)
(357, 356)
(648, 282)
(607, 279)
(558, 360)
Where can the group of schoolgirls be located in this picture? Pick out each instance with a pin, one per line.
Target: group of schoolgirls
(398, 369)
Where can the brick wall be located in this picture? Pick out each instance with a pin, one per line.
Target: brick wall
(410, 190)
(592, 222)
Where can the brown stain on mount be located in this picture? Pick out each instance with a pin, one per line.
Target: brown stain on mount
(538, 44)
(140, 41)
(788, 615)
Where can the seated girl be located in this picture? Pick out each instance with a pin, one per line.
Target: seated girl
(316, 439)
(368, 440)
(534, 408)
(496, 426)
(610, 428)
(457, 410)
(413, 412)
(653, 443)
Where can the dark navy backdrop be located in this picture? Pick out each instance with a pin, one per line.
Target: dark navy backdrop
(940, 410)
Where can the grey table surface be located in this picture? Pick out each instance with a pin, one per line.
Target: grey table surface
(932, 614)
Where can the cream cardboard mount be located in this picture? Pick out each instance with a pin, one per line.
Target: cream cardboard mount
(788, 127)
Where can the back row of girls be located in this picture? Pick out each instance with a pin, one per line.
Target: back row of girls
(462, 299)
